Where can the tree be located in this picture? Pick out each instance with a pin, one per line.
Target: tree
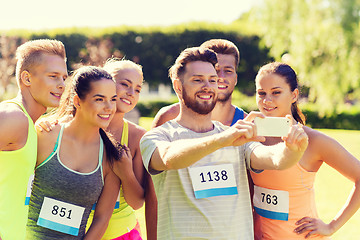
(8, 45)
(321, 38)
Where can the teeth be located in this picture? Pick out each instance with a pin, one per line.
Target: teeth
(126, 101)
(205, 97)
(104, 115)
(221, 86)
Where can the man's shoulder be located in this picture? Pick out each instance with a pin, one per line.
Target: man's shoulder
(240, 110)
(165, 127)
(12, 116)
(219, 126)
(165, 114)
(168, 131)
(173, 108)
(13, 126)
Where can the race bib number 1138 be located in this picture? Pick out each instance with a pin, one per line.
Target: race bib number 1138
(211, 181)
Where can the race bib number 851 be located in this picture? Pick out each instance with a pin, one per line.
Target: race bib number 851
(60, 216)
(211, 181)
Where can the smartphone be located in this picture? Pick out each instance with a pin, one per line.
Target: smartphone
(272, 126)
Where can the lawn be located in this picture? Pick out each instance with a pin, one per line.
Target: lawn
(331, 188)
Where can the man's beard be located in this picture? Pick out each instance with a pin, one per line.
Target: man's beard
(200, 108)
(224, 97)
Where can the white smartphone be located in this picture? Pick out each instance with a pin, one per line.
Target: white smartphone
(272, 126)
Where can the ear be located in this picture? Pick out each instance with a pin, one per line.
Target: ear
(295, 94)
(25, 78)
(76, 101)
(177, 85)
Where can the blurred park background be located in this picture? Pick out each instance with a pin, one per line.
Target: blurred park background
(320, 39)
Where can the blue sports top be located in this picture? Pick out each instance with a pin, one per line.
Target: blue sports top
(239, 114)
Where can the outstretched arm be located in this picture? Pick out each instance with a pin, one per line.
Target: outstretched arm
(183, 153)
(345, 163)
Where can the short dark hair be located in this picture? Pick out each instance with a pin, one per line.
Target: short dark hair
(223, 46)
(191, 55)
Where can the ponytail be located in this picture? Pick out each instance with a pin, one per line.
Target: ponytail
(297, 114)
(112, 147)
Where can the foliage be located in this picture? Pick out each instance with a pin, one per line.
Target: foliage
(150, 108)
(156, 48)
(8, 47)
(321, 39)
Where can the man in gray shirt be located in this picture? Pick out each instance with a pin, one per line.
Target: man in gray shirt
(199, 166)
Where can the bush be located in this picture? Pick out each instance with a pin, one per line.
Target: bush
(344, 120)
(150, 108)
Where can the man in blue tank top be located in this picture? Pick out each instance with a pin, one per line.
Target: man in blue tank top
(224, 111)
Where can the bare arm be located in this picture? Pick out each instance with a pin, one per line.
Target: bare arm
(105, 205)
(14, 129)
(166, 114)
(345, 163)
(133, 190)
(183, 153)
(145, 180)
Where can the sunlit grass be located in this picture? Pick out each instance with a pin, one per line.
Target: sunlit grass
(331, 188)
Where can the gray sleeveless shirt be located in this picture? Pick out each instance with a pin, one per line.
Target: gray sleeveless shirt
(60, 195)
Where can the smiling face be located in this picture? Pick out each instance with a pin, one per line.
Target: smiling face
(198, 90)
(274, 96)
(128, 87)
(226, 72)
(46, 80)
(99, 105)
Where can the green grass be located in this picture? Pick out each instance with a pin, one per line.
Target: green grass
(331, 188)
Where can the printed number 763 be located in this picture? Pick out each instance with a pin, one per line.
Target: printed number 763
(269, 199)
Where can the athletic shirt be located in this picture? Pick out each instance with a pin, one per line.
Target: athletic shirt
(123, 218)
(53, 180)
(187, 212)
(16, 169)
(238, 115)
(299, 185)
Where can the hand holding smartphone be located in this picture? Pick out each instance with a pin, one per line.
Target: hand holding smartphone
(272, 126)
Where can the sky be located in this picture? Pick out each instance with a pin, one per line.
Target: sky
(49, 14)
